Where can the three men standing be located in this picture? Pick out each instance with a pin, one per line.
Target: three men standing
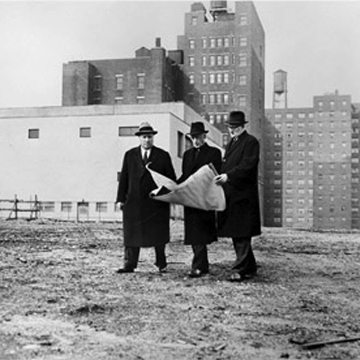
(146, 222)
(239, 178)
(200, 225)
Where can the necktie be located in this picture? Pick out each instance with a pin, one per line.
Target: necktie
(196, 153)
(145, 158)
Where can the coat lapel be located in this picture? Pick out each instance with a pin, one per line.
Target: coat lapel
(234, 144)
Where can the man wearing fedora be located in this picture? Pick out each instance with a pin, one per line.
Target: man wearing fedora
(239, 178)
(200, 225)
(146, 221)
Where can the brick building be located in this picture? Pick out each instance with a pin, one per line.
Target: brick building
(224, 58)
(312, 165)
(152, 77)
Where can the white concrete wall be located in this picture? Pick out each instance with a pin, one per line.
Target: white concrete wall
(61, 166)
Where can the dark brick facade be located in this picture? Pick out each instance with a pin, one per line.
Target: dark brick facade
(149, 78)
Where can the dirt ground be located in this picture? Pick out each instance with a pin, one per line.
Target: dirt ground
(60, 297)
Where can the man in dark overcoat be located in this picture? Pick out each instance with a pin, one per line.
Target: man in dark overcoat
(200, 225)
(146, 221)
(239, 178)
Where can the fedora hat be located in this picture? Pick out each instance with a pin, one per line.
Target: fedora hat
(145, 128)
(197, 128)
(236, 118)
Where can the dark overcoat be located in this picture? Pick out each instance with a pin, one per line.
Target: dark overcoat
(241, 217)
(200, 225)
(146, 221)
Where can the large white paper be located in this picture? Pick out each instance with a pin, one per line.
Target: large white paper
(198, 191)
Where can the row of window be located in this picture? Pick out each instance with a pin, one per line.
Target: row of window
(219, 77)
(219, 42)
(119, 82)
(85, 132)
(222, 98)
(332, 103)
(68, 206)
(243, 20)
(219, 60)
(306, 115)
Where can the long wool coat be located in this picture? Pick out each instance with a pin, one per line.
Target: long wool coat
(241, 217)
(200, 225)
(146, 221)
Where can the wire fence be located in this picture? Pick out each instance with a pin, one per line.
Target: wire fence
(67, 210)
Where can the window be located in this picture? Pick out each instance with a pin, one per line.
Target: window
(194, 20)
(127, 130)
(203, 78)
(212, 78)
(243, 41)
(242, 60)
(226, 78)
(211, 99)
(191, 78)
(140, 100)
(243, 20)
(218, 118)
(218, 98)
(203, 60)
(219, 78)
(212, 42)
(97, 82)
(85, 132)
(226, 42)
(226, 60)
(203, 42)
(180, 144)
(226, 98)
(192, 44)
(242, 101)
(141, 81)
(66, 206)
(212, 60)
(119, 100)
(242, 81)
(119, 79)
(203, 99)
(191, 61)
(101, 207)
(219, 42)
(33, 133)
(47, 206)
(219, 59)
(289, 116)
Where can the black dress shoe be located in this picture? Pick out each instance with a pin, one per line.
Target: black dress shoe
(124, 270)
(163, 270)
(236, 277)
(196, 273)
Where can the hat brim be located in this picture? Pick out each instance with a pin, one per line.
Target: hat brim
(138, 133)
(197, 133)
(235, 125)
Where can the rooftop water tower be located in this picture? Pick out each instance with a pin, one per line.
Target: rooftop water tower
(280, 90)
(218, 7)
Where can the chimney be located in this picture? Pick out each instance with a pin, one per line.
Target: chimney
(158, 42)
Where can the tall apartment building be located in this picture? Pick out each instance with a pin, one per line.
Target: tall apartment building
(152, 77)
(224, 55)
(312, 165)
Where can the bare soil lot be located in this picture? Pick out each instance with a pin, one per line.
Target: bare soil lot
(60, 297)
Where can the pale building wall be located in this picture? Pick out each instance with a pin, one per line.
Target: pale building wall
(60, 166)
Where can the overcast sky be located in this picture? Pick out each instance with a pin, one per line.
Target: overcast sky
(316, 42)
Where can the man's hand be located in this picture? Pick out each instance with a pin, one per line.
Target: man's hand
(221, 179)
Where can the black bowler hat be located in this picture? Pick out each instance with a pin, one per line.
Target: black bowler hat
(197, 128)
(236, 119)
(145, 129)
